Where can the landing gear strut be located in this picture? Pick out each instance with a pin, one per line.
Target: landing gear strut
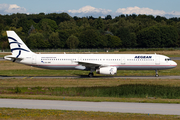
(156, 73)
(91, 74)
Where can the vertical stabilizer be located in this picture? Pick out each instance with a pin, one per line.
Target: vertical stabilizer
(17, 45)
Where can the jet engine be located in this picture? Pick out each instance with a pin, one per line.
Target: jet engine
(107, 70)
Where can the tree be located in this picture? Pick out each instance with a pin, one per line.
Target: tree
(169, 36)
(48, 25)
(63, 17)
(89, 39)
(178, 30)
(113, 41)
(84, 23)
(37, 41)
(146, 30)
(25, 24)
(155, 37)
(99, 24)
(54, 40)
(159, 18)
(108, 17)
(128, 38)
(149, 37)
(68, 25)
(15, 21)
(72, 42)
(63, 36)
(4, 45)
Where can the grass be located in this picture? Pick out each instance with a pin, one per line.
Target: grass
(90, 99)
(83, 82)
(42, 84)
(121, 91)
(24, 114)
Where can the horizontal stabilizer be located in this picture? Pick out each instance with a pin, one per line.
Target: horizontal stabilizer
(11, 57)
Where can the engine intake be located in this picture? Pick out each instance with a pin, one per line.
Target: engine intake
(107, 70)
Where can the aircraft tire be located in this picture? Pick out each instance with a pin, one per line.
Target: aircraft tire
(91, 75)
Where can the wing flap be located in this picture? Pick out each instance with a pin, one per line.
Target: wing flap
(91, 64)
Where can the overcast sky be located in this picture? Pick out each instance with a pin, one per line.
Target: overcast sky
(95, 8)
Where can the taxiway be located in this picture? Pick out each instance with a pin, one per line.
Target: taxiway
(85, 76)
(122, 107)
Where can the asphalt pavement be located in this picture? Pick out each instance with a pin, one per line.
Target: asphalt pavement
(122, 107)
(85, 76)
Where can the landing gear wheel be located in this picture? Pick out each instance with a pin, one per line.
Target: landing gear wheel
(156, 73)
(90, 74)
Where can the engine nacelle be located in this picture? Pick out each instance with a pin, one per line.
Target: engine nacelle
(107, 70)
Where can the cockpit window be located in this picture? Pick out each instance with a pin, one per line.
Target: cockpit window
(167, 59)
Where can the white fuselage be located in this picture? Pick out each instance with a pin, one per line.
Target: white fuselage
(106, 64)
(120, 61)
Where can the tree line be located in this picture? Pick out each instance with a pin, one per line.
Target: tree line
(60, 30)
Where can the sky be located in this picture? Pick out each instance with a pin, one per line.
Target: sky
(95, 8)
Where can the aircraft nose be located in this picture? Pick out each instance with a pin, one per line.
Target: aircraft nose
(174, 64)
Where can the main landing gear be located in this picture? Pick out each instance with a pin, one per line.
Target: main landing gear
(91, 74)
(156, 73)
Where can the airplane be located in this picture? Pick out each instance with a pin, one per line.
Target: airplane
(106, 64)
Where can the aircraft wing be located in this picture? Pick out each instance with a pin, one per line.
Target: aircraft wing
(92, 64)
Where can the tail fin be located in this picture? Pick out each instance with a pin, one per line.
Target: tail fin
(17, 45)
(18, 48)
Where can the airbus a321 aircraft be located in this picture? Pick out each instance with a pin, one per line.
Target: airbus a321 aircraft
(106, 64)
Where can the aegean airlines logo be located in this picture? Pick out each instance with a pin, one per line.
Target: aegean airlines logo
(143, 57)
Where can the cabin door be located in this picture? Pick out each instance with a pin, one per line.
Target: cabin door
(157, 61)
(34, 59)
(123, 61)
(80, 58)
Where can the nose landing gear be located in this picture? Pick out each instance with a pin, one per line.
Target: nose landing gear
(157, 75)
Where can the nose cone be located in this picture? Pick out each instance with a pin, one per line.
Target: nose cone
(174, 64)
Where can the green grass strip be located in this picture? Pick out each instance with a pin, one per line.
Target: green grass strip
(121, 91)
(35, 114)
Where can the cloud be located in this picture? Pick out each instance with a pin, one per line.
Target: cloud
(11, 8)
(147, 11)
(96, 12)
(137, 10)
(172, 14)
(90, 11)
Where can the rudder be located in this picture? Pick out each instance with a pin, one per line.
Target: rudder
(18, 47)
